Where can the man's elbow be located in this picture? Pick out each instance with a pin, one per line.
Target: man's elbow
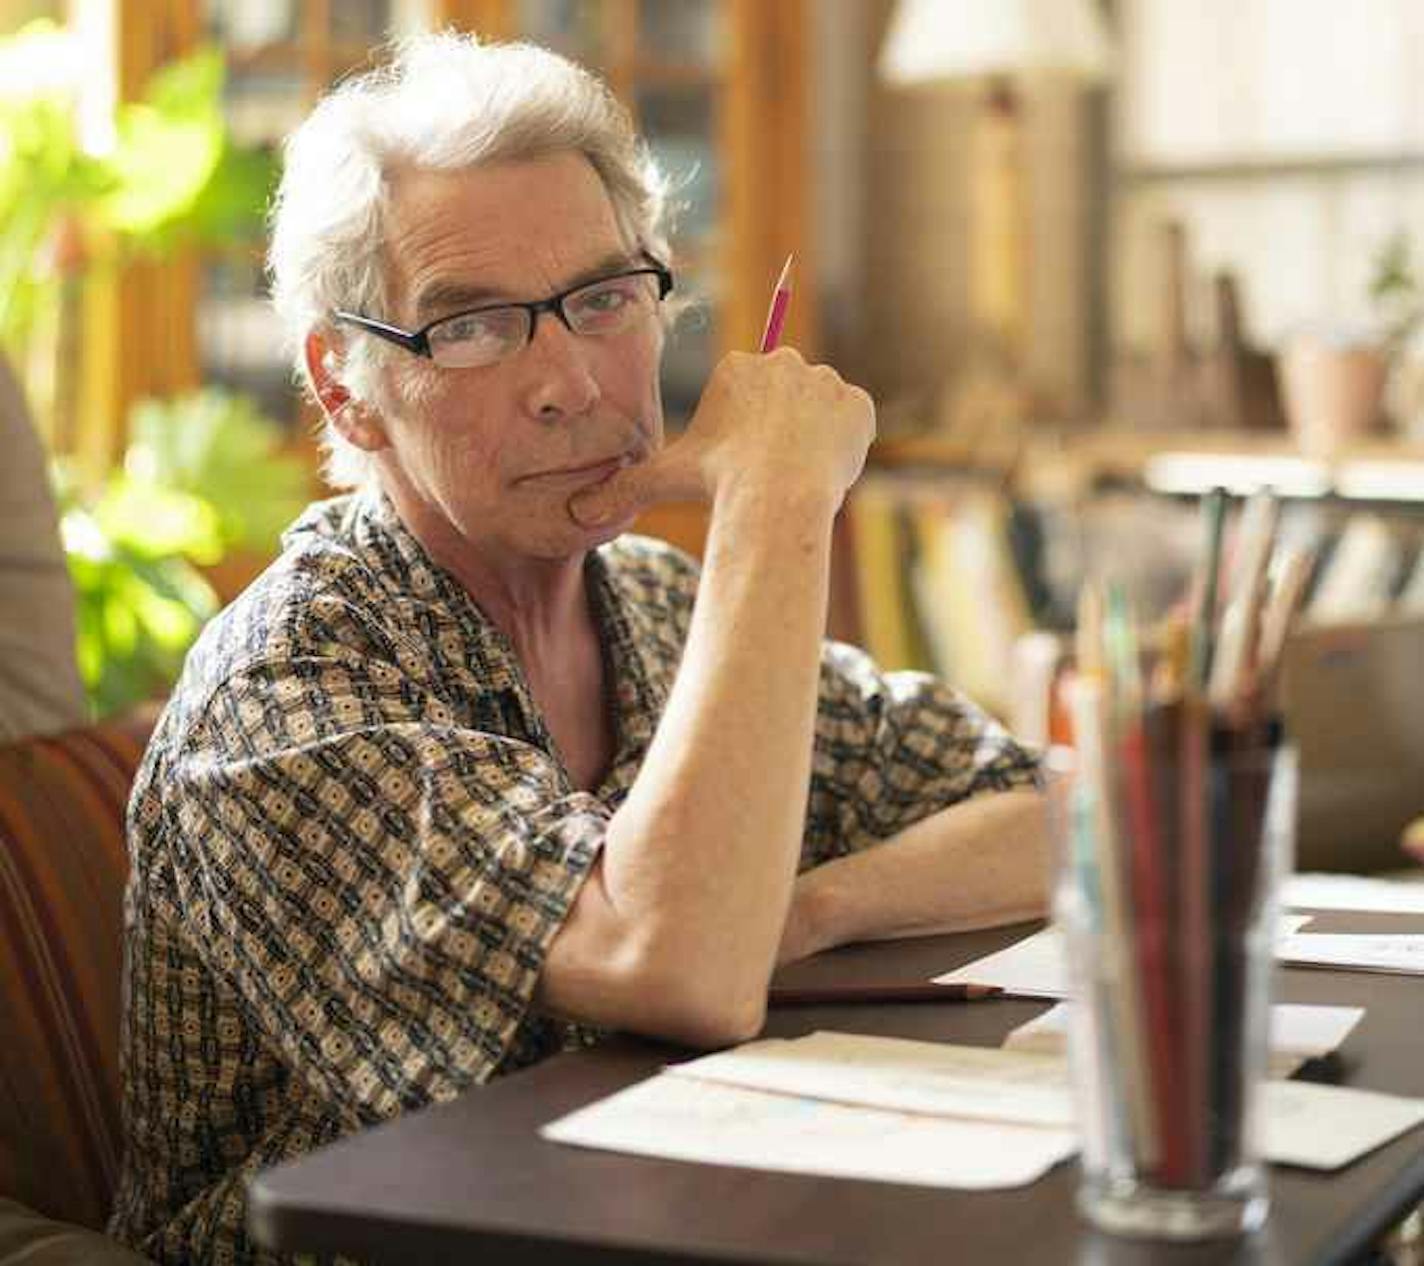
(729, 1023)
(703, 1013)
(655, 977)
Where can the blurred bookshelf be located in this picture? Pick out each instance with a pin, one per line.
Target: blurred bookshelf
(959, 551)
(280, 55)
(1185, 463)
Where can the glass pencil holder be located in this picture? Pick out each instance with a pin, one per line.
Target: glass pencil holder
(1169, 855)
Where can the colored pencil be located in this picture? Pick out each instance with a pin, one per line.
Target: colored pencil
(1205, 588)
(776, 315)
(837, 995)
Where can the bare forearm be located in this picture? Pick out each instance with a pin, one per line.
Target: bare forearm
(676, 931)
(705, 848)
(977, 864)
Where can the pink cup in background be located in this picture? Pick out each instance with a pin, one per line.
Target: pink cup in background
(1332, 391)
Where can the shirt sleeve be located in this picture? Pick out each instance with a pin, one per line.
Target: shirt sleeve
(379, 882)
(894, 747)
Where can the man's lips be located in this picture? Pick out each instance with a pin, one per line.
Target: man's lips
(589, 472)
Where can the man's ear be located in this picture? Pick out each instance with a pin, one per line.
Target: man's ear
(356, 421)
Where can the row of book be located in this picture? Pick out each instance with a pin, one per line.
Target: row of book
(937, 584)
(949, 575)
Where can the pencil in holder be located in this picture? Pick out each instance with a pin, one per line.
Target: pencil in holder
(1172, 835)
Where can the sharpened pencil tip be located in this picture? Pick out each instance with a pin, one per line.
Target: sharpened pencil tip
(784, 281)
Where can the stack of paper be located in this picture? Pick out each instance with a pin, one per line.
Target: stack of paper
(891, 1110)
(1402, 954)
(1325, 1127)
(1298, 1032)
(1036, 967)
(742, 1114)
(971, 1082)
(1354, 892)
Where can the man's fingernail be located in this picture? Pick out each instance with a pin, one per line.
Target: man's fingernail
(590, 515)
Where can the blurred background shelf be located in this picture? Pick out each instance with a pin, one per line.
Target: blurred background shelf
(1187, 462)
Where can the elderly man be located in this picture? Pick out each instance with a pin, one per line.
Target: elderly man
(468, 776)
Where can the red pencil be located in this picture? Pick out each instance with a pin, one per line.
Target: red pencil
(1197, 912)
(850, 992)
(776, 317)
(1148, 860)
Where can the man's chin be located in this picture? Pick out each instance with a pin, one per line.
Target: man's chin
(602, 533)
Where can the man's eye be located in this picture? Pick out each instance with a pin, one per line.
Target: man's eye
(604, 301)
(462, 329)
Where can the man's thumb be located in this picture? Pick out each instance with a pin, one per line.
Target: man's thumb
(663, 478)
(619, 496)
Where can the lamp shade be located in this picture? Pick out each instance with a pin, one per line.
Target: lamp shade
(932, 40)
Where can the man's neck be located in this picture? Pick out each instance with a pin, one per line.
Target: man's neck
(538, 604)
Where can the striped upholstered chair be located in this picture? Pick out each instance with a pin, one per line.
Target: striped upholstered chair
(62, 868)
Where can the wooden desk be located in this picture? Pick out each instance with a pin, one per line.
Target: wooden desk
(472, 1181)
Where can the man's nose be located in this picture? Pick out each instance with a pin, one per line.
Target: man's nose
(551, 308)
(562, 382)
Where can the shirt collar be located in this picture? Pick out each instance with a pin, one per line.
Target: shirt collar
(636, 682)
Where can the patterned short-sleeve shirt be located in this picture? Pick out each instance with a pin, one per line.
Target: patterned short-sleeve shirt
(353, 840)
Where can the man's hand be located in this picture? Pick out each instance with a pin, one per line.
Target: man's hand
(771, 420)
(980, 863)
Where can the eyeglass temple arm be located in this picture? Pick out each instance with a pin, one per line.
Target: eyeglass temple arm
(418, 342)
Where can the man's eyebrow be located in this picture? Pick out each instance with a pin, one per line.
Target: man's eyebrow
(443, 298)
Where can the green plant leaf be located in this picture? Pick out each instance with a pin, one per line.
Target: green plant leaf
(136, 617)
(217, 446)
(1394, 288)
(174, 177)
(44, 177)
(231, 205)
(161, 167)
(190, 87)
(158, 522)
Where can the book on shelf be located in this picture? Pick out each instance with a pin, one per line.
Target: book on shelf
(939, 586)
(1357, 580)
(888, 622)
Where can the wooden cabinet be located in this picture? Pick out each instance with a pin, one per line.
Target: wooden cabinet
(281, 55)
(138, 318)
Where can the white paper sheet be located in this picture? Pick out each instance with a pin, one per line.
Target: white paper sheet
(1362, 952)
(680, 1118)
(1354, 892)
(1325, 1127)
(682, 1115)
(1035, 966)
(974, 1082)
(1031, 968)
(1298, 1032)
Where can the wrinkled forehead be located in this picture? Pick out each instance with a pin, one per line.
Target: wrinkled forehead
(501, 230)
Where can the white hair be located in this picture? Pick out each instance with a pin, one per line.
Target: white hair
(444, 101)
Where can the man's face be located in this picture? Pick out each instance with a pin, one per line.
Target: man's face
(488, 458)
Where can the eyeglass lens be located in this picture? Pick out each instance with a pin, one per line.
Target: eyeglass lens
(601, 308)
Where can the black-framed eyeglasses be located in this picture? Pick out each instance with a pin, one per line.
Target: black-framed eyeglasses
(483, 336)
